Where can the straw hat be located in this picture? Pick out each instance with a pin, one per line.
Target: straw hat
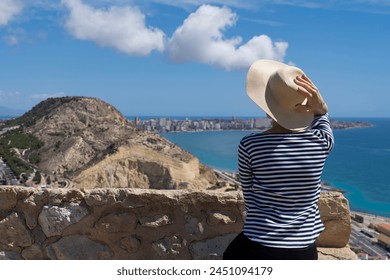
(270, 84)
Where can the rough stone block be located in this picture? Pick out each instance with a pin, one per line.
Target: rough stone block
(335, 214)
(117, 223)
(156, 221)
(336, 254)
(169, 247)
(78, 247)
(54, 219)
(34, 252)
(130, 244)
(8, 199)
(7, 255)
(13, 233)
(99, 198)
(211, 248)
(221, 218)
(193, 226)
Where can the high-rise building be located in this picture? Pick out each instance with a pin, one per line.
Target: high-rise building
(136, 121)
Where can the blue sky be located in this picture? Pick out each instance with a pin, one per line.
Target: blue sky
(190, 58)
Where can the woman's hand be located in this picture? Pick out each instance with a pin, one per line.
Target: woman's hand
(315, 103)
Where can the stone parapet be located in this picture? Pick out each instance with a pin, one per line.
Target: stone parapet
(70, 224)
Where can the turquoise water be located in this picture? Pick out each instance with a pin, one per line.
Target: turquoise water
(359, 163)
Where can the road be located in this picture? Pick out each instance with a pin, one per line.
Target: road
(361, 240)
(6, 173)
(227, 176)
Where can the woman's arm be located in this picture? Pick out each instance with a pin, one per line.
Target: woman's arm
(244, 169)
(316, 104)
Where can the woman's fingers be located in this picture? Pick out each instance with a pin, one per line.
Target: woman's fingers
(307, 79)
(305, 92)
(305, 82)
(303, 87)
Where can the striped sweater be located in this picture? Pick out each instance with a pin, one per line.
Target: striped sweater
(280, 176)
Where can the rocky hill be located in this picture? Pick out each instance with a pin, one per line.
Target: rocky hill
(87, 142)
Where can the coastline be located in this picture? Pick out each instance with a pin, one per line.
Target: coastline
(329, 188)
(256, 124)
(254, 130)
(356, 167)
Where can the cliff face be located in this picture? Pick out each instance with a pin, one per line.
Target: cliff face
(88, 143)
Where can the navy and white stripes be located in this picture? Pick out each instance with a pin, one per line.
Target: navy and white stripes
(280, 176)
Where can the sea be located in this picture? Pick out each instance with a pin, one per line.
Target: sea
(359, 164)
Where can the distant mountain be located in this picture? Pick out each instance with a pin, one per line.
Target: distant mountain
(5, 111)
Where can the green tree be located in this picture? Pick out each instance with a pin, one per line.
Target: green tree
(37, 178)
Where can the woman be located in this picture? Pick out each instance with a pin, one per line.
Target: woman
(280, 169)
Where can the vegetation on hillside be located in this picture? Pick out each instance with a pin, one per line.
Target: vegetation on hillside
(40, 110)
(16, 139)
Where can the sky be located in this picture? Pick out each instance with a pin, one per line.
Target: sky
(190, 57)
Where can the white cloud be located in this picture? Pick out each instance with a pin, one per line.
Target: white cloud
(8, 10)
(201, 39)
(122, 28)
(43, 96)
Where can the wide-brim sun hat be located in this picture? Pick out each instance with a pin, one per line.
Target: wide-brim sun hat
(270, 84)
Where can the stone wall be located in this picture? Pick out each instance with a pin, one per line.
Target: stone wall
(70, 224)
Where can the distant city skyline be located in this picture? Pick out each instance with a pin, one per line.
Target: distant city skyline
(190, 58)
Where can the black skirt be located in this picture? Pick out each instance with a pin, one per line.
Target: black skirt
(242, 248)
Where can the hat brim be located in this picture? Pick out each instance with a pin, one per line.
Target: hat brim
(258, 90)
